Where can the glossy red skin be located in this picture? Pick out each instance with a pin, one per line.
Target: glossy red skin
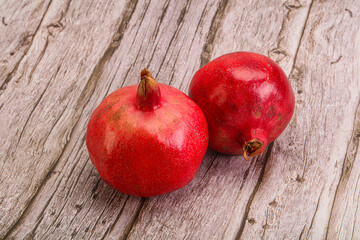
(244, 96)
(147, 153)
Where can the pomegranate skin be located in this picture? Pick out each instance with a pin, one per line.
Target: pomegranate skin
(247, 101)
(147, 152)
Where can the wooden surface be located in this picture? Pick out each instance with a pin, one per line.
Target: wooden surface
(60, 58)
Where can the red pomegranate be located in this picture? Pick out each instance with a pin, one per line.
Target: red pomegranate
(147, 139)
(247, 101)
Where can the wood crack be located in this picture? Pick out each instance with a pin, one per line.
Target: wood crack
(91, 84)
(12, 73)
(302, 232)
(265, 226)
(74, 183)
(129, 69)
(38, 60)
(179, 24)
(32, 111)
(3, 21)
(111, 227)
(64, 203)
(141, 19)
(316, 209)
(350, 12)
(42, 183)
(278, 53)
(210, 165)
(41, 215)
(256, 188)
(112, 197)
(199, 23)
(90, 207)
(216, 23)
(157, 30)
(298, 177)
(55, 123)
(173, 69)
(246, 174)
(301, 38)
(355, 215)
(164, 11)
(348, 162)
(32, 198)
(337, 60)
(49, 200)
(135, 219)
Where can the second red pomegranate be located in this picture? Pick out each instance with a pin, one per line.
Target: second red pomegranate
(247, 100)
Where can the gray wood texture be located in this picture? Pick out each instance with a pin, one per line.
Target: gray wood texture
(60, 58)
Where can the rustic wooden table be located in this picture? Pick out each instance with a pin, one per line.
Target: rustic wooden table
(60, 58)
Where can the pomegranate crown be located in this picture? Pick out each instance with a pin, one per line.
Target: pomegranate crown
(148, 93)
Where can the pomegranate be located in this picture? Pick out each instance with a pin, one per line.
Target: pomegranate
(147, 139)
(247, 101)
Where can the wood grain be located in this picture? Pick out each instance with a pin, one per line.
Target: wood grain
(296, 196)
(20, 22)
(60, 59)
(44, 101)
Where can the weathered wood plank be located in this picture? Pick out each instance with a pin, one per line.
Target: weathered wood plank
(306, 186)
(92, 209)
(296, 195)
(344, 220)
(20, 22)
(43, 103)
(216, 203)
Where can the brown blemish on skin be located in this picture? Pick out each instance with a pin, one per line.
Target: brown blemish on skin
(257, 113)
(116, 115)
(104, 110)
(120, 112)
(271, 111)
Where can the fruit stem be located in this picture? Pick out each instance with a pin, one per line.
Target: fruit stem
(148, 93)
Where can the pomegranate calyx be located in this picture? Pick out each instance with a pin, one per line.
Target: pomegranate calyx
(148, 93)
(252, 148)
